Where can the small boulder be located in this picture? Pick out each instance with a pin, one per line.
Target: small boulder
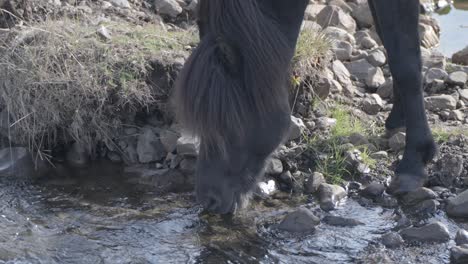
(341, 73)
(435, 232)
(296, 129)
(375, 78)
(168, 7)
(359, 69)
(187, 145)
(373, 190)
(461, 57)
(397, 142)
(392, 240)
(300, 221)
(330, 196)
(377, 58)
(274, 166)
(459, 254)
(335, 16)
(313, 182)
(441, 102)
(461, 237)
(458, 206)
(435, 74)
(457, 78)
(149, 147)
(372, 104)
(419, 195)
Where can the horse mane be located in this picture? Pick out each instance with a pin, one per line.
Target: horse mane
(237, 74)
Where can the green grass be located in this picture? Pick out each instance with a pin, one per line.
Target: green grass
(442, 135)
(346, 124)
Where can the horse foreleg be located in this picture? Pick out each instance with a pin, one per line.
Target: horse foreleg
(397, 23)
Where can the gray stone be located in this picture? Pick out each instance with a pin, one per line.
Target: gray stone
(330, 196)
(169, 139)
(461, 57)
(358, 139)
(77, 155)
(377, 58)
(188, 165)
(429, 37)
(463, 95)
(435, 74)
(341, 72)
(323, 88)
(372, 104)
(335, 16)
(458, 206)
(448, 169)
(385, 91)
(313, 10)
(343, 50)
(149, 147)
(274, 166)
(339, 34)
(433, 59)
(354, 163)
(168, 7)
(375, 78)
(359, 69)
(457, 78)
(367, 43)
(362, 15)
(121, 3)
(397, 142)
(342, 4)
(373, 190)
(419, 195)
(435, 232)
(18, 162)
(379, 155)
(459, 254)
(461, 237)
(300, 221)
(427, 207)
(187, 145)
(440, 102)
(341, 221)
(296, 129)
(392, 240)
(104, 33)
(456, 115)
(313, 182)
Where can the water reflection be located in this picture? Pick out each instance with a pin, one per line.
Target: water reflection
(453, 21)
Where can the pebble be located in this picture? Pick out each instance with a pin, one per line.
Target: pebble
(330, 196)
(299, 221)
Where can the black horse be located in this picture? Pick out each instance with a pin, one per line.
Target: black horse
(233, 92)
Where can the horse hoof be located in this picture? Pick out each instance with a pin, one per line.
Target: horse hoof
(404, 183)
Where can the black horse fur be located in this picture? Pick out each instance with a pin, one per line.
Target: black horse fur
(232, 92)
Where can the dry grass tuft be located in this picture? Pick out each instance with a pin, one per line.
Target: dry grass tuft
(60, 82)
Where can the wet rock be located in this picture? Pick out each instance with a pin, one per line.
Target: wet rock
(114, 156)
(373, 190)
(441, 102)
(427, 207)
(300, 221)
(435, 74)
(457, 78)
(168, 7)
(418, 195)
(354, 163)
(187, 146)
(459, 254)
(169, 140)
(379, 155)
(341, 221)
(149, 147)
(17, 162)
(397, 142)
(435, 232)
(458, 205)
(461, 57)
(361, 13)
(335, 16)
(372, 104)
(296, 129)
(359, 69)
(385, 91)
(392, 240)
(341, 73)
(377, 58)
(375, 78)
(77, 155)
(274, 166)
(461, 237)
(313, 182)
(330, 195)
(188, 165)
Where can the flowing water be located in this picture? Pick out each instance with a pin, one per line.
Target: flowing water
(453, 21)
(96, 215)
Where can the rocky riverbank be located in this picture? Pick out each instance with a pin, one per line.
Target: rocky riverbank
(89, 80)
